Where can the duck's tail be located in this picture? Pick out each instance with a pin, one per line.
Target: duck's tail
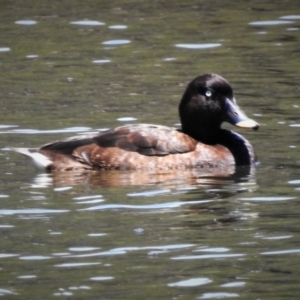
(39, 160)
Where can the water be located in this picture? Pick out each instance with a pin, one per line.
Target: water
(71, 68)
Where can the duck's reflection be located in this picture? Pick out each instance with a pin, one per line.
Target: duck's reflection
(199, 191)
(178, 178)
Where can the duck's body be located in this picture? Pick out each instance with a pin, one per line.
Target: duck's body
(201, 143)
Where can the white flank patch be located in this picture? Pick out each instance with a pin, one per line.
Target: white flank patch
(40, 161)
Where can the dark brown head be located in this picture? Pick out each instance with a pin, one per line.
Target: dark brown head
(208, 102)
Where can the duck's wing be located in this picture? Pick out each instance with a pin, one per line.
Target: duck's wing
(120, 147)
(67, 146)
(147, 139)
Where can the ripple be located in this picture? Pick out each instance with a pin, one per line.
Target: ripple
(4, 49)
(261, 32)
(35, 257)
(214, 256)
(87, 23)
(101, 61)
(155, 206)
(63, 188)
(31, 211)
(169, 59)
(91, 201)
(218, 295)
(198, 46)
(116, 42)
(103, 253)
(26, 276)
(162, 247)
(126, 119)
(191, 282)
(61, 253)
(125, 250)
(42, 181)
(290, 17)
(267, 199)
(281, 252)
(71, 265)
(139, 230)
(281, 237)
(120, 27)
(219, 249)
(79, 249)
(26, 22)
(97, 234)
(101, 130)
(8, 126)
(82, 287)
(270, 23)
(149, 193)
(5, 255)
(64, 130)
(6, 292)
(32, 56)
(101, 278)
(87, 197)
(297, 181)
(234, 284)
(62, 292)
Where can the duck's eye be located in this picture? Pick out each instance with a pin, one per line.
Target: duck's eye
(208, 93)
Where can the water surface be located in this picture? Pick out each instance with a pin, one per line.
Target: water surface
(71, 69)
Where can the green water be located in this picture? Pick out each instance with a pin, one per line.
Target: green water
(129, 235)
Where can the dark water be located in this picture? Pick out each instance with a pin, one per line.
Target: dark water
(130, 235)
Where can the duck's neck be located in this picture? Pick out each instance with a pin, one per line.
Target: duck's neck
(210, 136)
(240, 148)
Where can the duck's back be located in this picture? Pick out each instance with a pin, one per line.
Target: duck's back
(142, 146)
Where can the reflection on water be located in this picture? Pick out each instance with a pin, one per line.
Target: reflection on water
(101, 61)
(30, 211)
(36, 131)
(4, 49)
(118, 27)
(116, 42)
(87, 23)
(270, 23)
(178, 178)
(190, 282)
(190, 234)
(26, 22)
(198, 46)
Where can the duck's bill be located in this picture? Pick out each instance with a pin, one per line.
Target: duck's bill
(248, 124)
(235, 116)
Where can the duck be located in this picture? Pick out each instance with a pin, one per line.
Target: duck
(207, 102)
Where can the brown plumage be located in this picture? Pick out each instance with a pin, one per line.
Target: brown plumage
(201, 143)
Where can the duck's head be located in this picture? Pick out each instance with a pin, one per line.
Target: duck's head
(208, 102)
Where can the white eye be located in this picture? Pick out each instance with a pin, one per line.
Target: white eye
(208, 93)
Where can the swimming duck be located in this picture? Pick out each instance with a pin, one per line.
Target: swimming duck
(201, 142)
